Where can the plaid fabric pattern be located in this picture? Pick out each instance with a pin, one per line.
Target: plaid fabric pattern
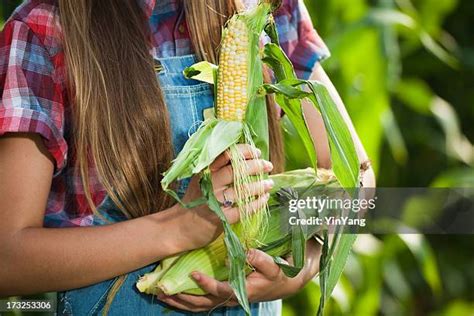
(33, 90)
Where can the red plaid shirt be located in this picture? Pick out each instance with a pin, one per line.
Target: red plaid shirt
(33, 90)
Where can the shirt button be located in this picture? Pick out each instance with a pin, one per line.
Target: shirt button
(181, 28)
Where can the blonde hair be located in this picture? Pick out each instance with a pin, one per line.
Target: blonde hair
(120, 120)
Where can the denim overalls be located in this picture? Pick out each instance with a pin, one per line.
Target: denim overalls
(186, 101)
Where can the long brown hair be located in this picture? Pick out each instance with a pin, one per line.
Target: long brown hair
(120, 121)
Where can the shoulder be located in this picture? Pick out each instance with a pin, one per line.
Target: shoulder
(287, 8)
(36, 20)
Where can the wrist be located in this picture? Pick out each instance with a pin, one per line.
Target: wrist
(167, 232)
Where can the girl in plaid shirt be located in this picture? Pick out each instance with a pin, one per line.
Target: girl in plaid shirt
(93, 109)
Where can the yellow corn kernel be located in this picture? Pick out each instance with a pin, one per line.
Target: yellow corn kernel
(233, 72)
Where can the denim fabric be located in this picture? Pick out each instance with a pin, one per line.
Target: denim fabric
(186, 101)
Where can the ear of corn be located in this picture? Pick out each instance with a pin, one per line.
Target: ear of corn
(235, 96)
(233, 70)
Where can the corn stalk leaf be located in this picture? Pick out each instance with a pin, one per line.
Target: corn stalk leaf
(276, 58)
(344, 159)
(339, 260)
(282, 68)
(345, 162)
(323, 273)
(288, 270)
(235, 249)
(298, 249)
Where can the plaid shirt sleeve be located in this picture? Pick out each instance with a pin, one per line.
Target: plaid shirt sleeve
(31, 98)
(298, 38)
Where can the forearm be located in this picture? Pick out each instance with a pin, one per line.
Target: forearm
(319, 134)
(312, 256)
(46, 259)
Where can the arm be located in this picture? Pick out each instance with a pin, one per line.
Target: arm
(35, 259)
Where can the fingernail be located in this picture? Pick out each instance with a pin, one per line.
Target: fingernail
(259, 152)
(196, 276)
(266, 196)
(268, 183)
(268, 166)
(250, 254)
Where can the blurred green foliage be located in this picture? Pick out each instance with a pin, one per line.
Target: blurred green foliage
(404, 69)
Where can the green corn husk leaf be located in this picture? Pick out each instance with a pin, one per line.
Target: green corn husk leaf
(223, 135)
(183, 164)
(256, 116)
(202, 71)
(235, 249)
(211, 139)
(146, 283)
(213, 259)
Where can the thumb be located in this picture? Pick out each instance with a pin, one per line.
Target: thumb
(263, 263)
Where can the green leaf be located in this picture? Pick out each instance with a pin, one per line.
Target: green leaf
(284, 88)
(295, 178)
(294, 111)
(437, 50)
(390, 16)
(425, 257)
(340, 256)
(296, 155)
(416, 94)
(276, 58)
(182, 166)
(458, 145)
(223, 135)
(202, 71)
(289, 271)
(298, 249)
(235, 249)
(211, 139)
(394, 137)
(462, 177)
(324, 262)
(345, 162)
(272, 31)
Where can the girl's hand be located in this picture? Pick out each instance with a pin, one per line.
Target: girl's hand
(200, 225)
(266, 283)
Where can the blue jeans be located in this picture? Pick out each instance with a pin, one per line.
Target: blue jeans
(186, 101)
